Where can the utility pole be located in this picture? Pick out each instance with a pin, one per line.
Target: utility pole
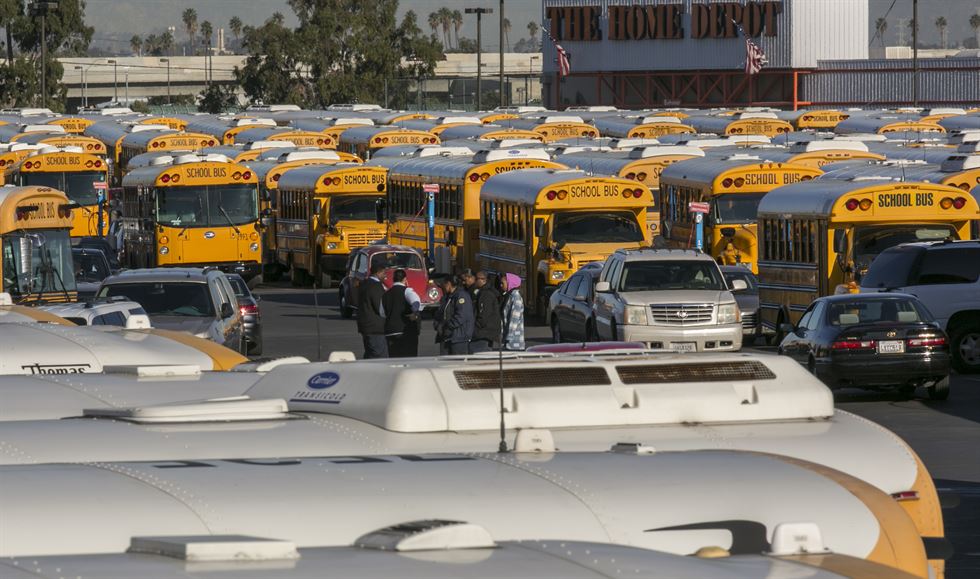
(915, 53)
(41, 9)
(126, 72)
(503, 99)
(167, 60)
(479, 52)
(115, 79)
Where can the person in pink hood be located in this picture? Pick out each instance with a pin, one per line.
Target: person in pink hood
(513, 312)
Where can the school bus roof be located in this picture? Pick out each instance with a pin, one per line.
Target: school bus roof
(149, 176)
(458, 167)
(310, 177)
(365, 135)
(701, 172)
(817, 198)
(890, 123)
(11, 196)
(526, 186)
(611, 163)
(41, 160)
(487, 131)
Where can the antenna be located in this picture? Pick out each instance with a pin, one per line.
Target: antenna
(502, 447)
(316, 318)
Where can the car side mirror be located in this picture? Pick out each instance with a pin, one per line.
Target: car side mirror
(728, 231)
(739, 285)
(603, 287)
(227, 311)
(787, 328)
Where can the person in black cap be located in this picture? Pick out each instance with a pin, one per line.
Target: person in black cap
(455, 320)
(370, 314)
(487, 306)
(402, 306)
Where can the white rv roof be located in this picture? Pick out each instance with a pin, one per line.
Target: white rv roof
(828, 145)
(663, 150)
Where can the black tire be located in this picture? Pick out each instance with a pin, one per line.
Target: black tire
(271, 273)
(255, 348)
(777, 338)
(939, 390)
(811, 366)
(555, 330)
(965, 348)
(346, 311)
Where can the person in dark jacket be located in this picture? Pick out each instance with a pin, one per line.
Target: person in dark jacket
(487, 305)
(455, 320)
(370, 314)
(401, 306)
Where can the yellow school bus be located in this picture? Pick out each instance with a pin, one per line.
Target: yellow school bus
(644, 164)
(36, 264)
(814, 119)
(641, 127)
(81, 176)
(225, 130)
(493, 117)
(818, 238)
(11, 159)
(73, 125)
(769, 126)
(457, 205)
(544, 224)
(885, 125)
(554, 128)
(488, 133)
(175, 123)
(820, 153)
(363, 141)
(324, 212)
(86, 144)
(192, 213)
(733, 188)
(286, 134)
(152, 142)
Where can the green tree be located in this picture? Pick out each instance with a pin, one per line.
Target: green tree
(217, 99)
(166, 41)
(445, 22)
(273, 71)
(235, 25)
(207, 31)
(975, 25)
(457, 18)
(881, 25)
(10, 12)
(67, 34)
(136, 45)
(189, 18)
(941, 25)
(434, 22)
(532, 30)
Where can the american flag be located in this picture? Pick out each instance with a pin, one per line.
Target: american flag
(563, 60)
(755, 59)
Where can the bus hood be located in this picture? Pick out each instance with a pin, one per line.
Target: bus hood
(661, 297)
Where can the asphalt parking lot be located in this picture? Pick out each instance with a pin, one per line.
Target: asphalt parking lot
(946, 434)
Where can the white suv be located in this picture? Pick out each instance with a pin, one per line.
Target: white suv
(670, 299)
(108, 312)
(945, 276)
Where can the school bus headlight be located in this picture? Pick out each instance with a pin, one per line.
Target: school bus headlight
(729, 314)
(164, 240)
(635, 315)
(865, 204)
(164, 250)
(557, 274)
(254, 247)
(332, 245)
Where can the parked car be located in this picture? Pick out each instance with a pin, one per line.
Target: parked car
(945, 276)
(91, 267)
(670, 299)
(99, 244)
(248, 306)
(570, 307)
(747, 299)
(198, 301)
(871, 341)
(104, 312)
(392, 257)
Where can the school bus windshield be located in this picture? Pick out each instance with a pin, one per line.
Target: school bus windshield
(35, 262)
(207, 206)
(79, 186)
(353, 208)
(736, 208)
(596, 227)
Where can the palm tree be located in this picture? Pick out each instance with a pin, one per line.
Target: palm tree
(881, 25)
(189, 17)
(941, 25)
(136, 44)
(975, 25)
(277, 18)
(434, 22)
(235, 25)
(507, 33)
(166, 42)
(206, 31)
(457, 24)
(445, 21)
(532, 30)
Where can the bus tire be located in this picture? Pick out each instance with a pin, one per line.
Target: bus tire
(555, 330)
(297, 276)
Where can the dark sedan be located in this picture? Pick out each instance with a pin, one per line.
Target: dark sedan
(248, 304)
(747, 300)
(871, 341)
(570, 307)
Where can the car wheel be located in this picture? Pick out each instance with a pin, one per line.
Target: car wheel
(345, 310)
(965, 348)
(255, 346)
(811, 366)
(939, 390)
(555, 330)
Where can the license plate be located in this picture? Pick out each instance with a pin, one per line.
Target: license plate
(684, 346)
(891, 347)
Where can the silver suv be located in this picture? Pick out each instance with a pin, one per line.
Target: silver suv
(670, 299)
(945, 276)
(198, 301)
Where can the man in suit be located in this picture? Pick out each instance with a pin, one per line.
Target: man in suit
(370, 313)
(401, 306)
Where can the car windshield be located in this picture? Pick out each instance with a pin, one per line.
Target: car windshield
(397, 260)
(876, 311)
(90, 266)
(597, 227)
(211, 206)
(869, 242)
(736, 208)
(36, 262)
(671, 275)
(747, 277)
(238, 285)
(79, 186)
(166, 299)
(353, 208)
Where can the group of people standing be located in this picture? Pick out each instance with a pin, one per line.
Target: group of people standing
(479, 312)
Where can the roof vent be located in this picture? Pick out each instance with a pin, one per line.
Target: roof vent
(162, 371)
(316, 154)
(184, 159)
(341, 356)
(531, 378)
(442, 152)
(511, 143)
(269, 145)
(632, 448)
(797, 539)
(647, 152)
(743, 157)
(534, 440)
(460, 120)
(959, 163)
(269, 365)
(504, 154)
(162, 160)
(651, 120)
(696, 372)
(215, 158)
(141, 128)
(201, 548)
(561, 119)
(828, 145)
(427, 535)
(231, 409)
(757, 115)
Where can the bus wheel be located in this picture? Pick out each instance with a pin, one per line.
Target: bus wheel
(271, 273)
(298, 277)
(326, 281)
(555, 330)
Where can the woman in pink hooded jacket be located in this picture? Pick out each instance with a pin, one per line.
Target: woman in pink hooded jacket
(513, 312)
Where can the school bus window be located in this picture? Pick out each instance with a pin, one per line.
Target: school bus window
(352, 207)
(206, 206)
(597, 227)
(736, 208)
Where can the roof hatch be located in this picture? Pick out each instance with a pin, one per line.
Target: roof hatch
(215, 548)
(427, 535)
(231, 409)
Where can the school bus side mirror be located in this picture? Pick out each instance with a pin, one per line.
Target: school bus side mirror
(840, 241)
(380, 207)
(728, 231)
(539, 227)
